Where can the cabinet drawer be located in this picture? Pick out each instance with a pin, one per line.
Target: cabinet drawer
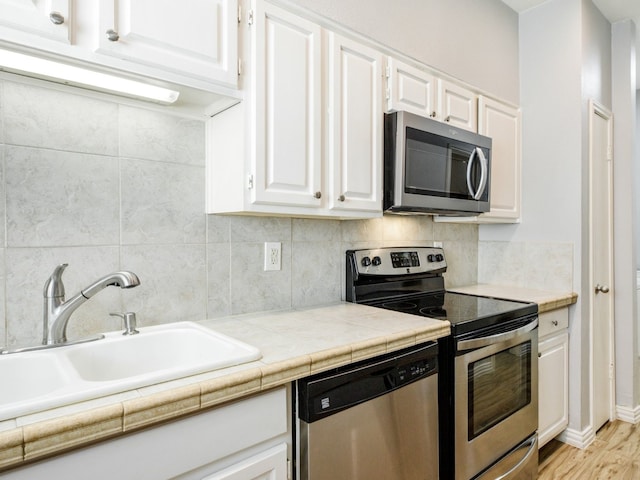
(553, 321)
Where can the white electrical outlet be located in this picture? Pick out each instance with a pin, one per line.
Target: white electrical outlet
(437, 244)
(272, 256)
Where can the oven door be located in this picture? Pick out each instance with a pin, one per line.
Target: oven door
(496, 396)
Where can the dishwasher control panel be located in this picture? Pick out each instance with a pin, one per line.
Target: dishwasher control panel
(331, 392)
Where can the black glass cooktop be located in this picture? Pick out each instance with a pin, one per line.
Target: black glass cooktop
(464, 312)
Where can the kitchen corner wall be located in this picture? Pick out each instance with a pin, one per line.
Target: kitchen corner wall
(106, 186)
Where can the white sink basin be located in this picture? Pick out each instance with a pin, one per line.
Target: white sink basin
(34, 375)
(39, 380)
(157, 354)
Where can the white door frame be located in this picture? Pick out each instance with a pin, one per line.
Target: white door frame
(597, 109)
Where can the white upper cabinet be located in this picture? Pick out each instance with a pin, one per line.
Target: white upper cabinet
(355, 125)
(35, 21)
(194, 45)
(198, 38)
(307, 140)
(410, 89)
(502, 123)
(457, 105)
(422, 93)
(287, 119)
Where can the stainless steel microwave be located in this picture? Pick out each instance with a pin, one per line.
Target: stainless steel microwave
(435, 168)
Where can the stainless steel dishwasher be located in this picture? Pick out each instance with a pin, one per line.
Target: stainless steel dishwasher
(376, 419)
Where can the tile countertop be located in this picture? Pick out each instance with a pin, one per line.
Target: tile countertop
(294, 344)
(547, 300)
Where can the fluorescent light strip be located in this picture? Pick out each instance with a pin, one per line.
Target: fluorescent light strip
(39, 67)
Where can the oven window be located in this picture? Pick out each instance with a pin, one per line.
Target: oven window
(499, 385)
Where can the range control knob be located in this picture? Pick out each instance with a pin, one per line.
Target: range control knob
(431, 257)
(376, 261)
(439, 257)
(366, 261)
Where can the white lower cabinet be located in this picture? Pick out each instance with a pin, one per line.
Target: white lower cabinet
(268, 465)
(553, 375)
(244, 440)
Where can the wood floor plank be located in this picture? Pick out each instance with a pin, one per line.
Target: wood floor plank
(615, 454)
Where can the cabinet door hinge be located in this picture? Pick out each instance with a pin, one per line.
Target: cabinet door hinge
(239, 66)
(609, 152)
(387, 71)
(250, 182)
(289, 470)
(239, 13)
(387, 93)
(250, 20)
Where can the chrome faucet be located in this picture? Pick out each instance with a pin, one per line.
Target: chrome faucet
(57, 311)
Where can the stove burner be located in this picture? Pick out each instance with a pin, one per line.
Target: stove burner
(400, 306)
(434, 312)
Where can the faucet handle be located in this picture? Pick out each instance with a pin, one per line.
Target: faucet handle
(129, 319)
(54, 287)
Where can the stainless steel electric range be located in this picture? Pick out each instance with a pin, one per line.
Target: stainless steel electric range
(488, 370)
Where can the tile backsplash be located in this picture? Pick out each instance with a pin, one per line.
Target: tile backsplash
(537, 265)
(105, 186)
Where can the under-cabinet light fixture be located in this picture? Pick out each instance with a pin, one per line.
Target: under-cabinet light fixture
(82, 77)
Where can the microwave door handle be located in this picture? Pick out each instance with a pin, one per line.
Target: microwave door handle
(484, 165)
(472, 158)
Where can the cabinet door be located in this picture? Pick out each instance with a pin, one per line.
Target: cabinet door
(199, 39)
(410, 89)
(503, 124)
(457, 106)
(287, 116)
(268, 465)
(355, 125)
(553, 381)
(27, 21)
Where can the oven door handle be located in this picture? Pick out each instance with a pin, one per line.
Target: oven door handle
(497, 338)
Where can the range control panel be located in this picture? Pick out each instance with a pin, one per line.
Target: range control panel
(398, 261)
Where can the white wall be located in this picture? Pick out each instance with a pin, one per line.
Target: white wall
(476, 42)
(564, 60)
(637, 178)
(624, 101)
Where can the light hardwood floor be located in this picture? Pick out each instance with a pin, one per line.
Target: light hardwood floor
(615, 455)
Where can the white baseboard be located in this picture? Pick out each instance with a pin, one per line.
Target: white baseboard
(576, 438)
(582, 439)
(628, 414)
